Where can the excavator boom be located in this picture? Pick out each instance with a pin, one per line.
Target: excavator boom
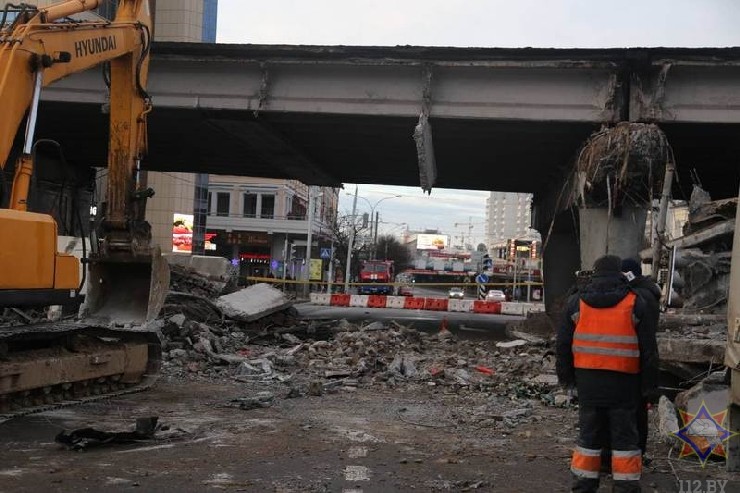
(128, 278)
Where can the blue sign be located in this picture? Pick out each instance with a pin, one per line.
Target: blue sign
(326, 253)
(481, 279)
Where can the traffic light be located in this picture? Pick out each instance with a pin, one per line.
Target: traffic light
(365, 220)
(291, 253)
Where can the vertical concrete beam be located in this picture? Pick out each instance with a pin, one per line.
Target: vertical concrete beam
(732, 355)
(560, 260)
(600, 235)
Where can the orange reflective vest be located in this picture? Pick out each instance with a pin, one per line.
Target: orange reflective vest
(606, 339)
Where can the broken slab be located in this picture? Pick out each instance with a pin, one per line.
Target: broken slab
(216, 268)
(687, 350)
(253, 303)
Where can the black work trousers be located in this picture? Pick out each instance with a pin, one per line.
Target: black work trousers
(607, 427)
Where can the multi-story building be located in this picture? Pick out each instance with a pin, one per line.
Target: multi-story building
(508, 215)
(262, 224)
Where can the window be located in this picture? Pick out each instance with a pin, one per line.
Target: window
(222, 203)
(210, 201)
(267, 211)
(250, 205)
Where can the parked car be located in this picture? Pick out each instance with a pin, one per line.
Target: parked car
(405, 290)
(495, 295)
(457, 293)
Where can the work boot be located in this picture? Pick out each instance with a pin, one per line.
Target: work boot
(585, 485)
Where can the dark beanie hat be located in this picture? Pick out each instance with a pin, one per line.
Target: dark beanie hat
(608, 263)
(631, 265)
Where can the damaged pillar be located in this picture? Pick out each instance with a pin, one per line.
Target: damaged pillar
(601, 235)
(617, 174)
(732, 355)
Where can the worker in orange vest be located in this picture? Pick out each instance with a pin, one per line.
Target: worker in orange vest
(609, 353)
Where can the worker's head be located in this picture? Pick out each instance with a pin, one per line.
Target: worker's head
(608, 264)
(631, 268)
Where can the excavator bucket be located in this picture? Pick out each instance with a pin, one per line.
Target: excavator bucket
(130, 291)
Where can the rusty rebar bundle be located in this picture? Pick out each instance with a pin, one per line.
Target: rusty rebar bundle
(620, 166)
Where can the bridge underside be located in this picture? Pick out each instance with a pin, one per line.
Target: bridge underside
(521, 156)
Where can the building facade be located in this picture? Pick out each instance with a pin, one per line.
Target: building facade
(261, 224)
(508, 215)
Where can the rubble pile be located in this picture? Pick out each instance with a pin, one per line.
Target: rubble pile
(705, 252)
(315, 358)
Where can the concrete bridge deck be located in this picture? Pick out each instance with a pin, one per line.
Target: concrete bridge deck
(503, 119)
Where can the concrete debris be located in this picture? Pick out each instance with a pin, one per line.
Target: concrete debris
(704, 253)
(511, 344)
(538, 328)
(692, 349)
(667, 419)
(253, 302)
(713, 392)
(262, 399)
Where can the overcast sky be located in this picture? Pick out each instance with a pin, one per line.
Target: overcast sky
(473, 23)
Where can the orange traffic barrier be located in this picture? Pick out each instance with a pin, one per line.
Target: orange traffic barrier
(376, 301)
(412, 303)
(340, 300)
(436, 304)
(487, 307)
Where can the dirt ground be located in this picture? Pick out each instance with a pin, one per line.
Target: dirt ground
(368, 440)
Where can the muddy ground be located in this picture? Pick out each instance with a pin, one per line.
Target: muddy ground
(367, 440)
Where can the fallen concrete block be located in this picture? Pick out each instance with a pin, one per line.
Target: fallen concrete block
(253, 303)
(511, 344)
(686, 350)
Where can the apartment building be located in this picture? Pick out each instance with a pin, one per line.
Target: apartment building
(508, 215)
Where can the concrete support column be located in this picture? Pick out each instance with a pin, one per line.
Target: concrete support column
(560, 260)
(600, 235)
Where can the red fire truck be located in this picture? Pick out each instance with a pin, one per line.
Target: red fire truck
(378, 274)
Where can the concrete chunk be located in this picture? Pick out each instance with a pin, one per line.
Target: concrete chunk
(686, 350)
(253, 303)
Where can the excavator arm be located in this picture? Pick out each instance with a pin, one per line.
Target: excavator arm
(37, 49)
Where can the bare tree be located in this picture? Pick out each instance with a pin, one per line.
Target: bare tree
(390, 248)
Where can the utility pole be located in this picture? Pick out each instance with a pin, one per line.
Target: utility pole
(351, 243)
(309, 240)
(375, 235)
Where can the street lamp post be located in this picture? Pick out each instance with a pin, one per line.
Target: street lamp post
(351, 244)
(374, 230)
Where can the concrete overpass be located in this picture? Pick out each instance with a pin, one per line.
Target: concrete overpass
(503, 119)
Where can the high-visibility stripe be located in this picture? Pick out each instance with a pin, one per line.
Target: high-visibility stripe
(606, 338)
(626, 453)
(626, 465)
(586, 463)
(629, 353)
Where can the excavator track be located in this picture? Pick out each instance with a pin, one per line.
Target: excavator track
(47, 366)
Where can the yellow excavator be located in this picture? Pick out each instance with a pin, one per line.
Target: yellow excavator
(108, 351)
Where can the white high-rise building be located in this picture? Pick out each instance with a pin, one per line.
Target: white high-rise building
(508, 215)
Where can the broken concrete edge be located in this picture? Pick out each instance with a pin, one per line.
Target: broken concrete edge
(215, 268)
(253, 302)
(686, 350)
